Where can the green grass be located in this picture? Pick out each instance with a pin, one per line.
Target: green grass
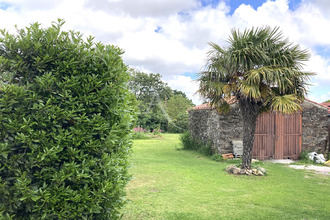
(177, 184)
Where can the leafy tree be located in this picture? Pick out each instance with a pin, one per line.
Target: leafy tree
(177, 92)
(148, 87)
(179, 124)
(152, 95)
(66, 116)
(262, 70)
(328, 100)
(177, 107)
(178, 104)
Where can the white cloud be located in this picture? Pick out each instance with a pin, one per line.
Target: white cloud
(319, 99)
(321, 67)
(170, 37)
(143, 8)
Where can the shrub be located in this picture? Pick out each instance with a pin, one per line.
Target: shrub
(66, 116)
(190, 143)
(139, 133)
(157, 131)
(217, 157)
(304, 156)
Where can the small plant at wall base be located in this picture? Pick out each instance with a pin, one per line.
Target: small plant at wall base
(189, 143)
(303, 157)
(217, 157)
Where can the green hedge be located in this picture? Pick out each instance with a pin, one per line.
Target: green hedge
(65, 122)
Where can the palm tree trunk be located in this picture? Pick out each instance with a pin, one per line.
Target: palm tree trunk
(249, 111)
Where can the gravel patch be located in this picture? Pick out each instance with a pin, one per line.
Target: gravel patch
(282, 161)
(318, 169)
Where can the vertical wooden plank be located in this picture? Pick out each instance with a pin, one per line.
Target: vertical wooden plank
(292, 135)
(279, 127)
(264, 137)
(278, 136)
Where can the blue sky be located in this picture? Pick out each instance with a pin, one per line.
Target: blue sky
(170, 36)
(234, 4)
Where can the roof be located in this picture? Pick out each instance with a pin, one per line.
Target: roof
(327, 105)
(230, 101)
(202, 106)
(323, 105)
(233, 99)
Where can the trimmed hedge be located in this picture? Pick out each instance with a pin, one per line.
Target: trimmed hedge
(65, 122)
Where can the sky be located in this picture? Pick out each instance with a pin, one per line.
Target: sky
(171, 37)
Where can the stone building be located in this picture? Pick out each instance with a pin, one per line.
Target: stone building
(277, 136)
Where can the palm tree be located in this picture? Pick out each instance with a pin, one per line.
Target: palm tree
(262, 70)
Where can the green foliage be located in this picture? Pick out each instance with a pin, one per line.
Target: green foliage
(140, 133)
(157, 131)
(159, 106)
(258, 65)
(66, 117)
(177, 107)
(151, 93)
(189, 143)
(303, 157)
(217, 157)
(186, 185)
(178, 104)
(262, 70)
(179, 124)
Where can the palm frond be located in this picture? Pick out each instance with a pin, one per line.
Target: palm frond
(250, 91)
(259, 65)
(286, 104)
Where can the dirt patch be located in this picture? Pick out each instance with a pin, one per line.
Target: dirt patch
(317, 169)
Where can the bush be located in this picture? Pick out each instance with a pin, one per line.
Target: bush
(157, 131)
(140, 133)
(303, 157)
(217, 157)
(190, 143)
(66, 118)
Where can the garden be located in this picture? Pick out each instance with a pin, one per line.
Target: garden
(171, 183)
(68, 108)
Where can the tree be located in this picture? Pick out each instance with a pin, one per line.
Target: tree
(263, 71)
(178, 104)
(177, 107)
(148, 87)
(177, 92)
(152, 95)
(327, 101)
(66, 116)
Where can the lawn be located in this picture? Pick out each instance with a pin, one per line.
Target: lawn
(169, 183)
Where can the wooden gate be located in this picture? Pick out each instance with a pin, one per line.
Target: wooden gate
(277, 136)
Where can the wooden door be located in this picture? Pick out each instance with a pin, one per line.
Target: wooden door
(277, 136)
(264, 137)
(288, 136)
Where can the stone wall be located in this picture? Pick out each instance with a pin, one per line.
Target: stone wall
(220, 129)
(314, 128)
